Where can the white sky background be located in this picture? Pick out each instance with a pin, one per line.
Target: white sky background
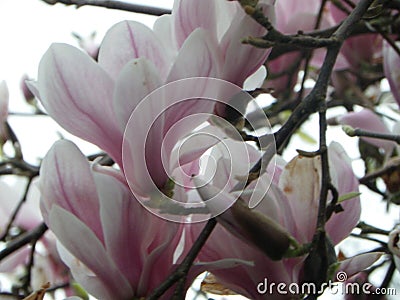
(27, 29)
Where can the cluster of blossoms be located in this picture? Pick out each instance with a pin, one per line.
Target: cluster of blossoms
(113, 230)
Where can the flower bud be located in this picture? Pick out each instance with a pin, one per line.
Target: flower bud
(4, 98)
(28, 95)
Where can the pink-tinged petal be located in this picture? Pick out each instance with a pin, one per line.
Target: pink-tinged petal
(243, 278)
(283, 83)
(337, 13)
(208, 194)
(300, 20)
(29, 216)
(142, 148)
(255, 80)
(225, 13)
(137, 80)
(121, 219)
(188, 15)
(18, 258)
(159, 258)
(243, 60)
(391, 67)
(77, 93)
(284, 19)
(234, 160)
(66, 181)
(319, 56)
(341, 224)
(274, 203)
(183, 100)
(109, 171)
(33, 87)
(10, 197)
(358, 263)
(89, 280)
(192, 146)
(3, 112)
(28, 95)
(198, 57)
(369, 121)
(128, 40)
(300, 182)
(192, 101)
(163, 30)
(362, 49)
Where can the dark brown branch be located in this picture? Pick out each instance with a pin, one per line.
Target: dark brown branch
(19, 166)
(274, 37)
(22, 240)
(183, 268)
(17, 209)
(115, 4)
(377, 135)
(318, 93)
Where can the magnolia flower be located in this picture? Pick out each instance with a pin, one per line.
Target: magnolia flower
(113, 246)
(79, 93)
(94, 100)
(126, 74)
(391, 67)
(292, 203)
(228, 24)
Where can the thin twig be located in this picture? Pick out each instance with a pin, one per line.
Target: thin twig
(310, 103)
(366, 228)
(22, 240)
(26, 286)
(21, 165)
(115, 4)
(183, 268)
(389, 275)
(325, 176)
(377, 135)
(17, 209)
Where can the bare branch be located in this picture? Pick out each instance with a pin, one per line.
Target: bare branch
(120, 5)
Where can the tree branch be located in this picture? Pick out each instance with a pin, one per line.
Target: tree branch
(22, 240)
(318, 93)
(114, 4)
(182, 270)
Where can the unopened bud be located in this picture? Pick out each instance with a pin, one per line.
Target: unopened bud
(28, 95)
(262, 231)
(249, 225)
(350, 131)
(88, 44)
